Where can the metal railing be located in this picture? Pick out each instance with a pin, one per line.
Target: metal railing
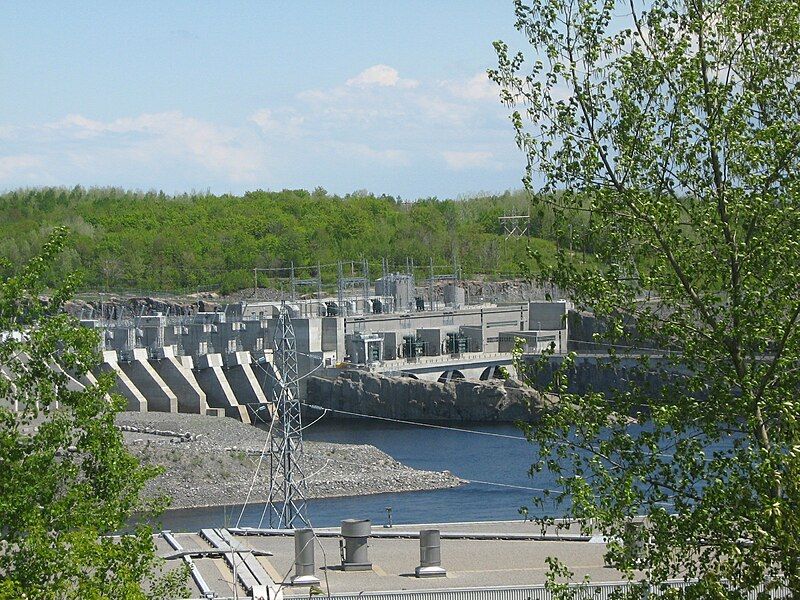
(422, 361)
(582, 591)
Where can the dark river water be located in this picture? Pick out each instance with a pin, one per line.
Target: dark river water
(485, 458)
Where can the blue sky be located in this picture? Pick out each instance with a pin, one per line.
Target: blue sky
(231, 96)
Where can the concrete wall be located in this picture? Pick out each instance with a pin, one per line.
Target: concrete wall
(333, 335)
(475, 336)
(163, 380)
(390, 345)
(153, 330)
(534, 341)
(121, 338)
(252, 336)
(548, 315)
(472, 367)
(432, 339)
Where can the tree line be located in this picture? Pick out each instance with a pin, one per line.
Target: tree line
(124, 239)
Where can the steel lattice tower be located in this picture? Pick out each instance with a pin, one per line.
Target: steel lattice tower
(285, 470)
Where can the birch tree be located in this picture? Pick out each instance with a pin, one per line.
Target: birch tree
(674, 125)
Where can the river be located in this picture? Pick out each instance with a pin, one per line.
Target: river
(498, 459)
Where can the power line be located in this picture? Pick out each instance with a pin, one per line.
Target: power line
(509, 485)
(472, 431)
(418, 424)
(260, 460)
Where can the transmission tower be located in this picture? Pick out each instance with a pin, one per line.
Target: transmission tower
(286, 474)
(515, 226)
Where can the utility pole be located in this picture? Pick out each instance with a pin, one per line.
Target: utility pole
(286, 451)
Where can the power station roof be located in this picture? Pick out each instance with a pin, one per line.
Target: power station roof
(474, 555)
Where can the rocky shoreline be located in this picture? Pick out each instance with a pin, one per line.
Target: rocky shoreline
(211, 461)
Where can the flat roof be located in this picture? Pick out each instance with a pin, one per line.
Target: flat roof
(487, 554)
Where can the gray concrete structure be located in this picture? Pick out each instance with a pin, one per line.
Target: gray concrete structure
(86, 379)
(151, 330)
(548, 316)
(533, 342)
(400, 287)
(475, 335)
(206, 360)
(432, 340)
(333, 336)
(160, 398)
(471, 366)
(215, 385)
(365, 348)
(454, 295)
(243, 381)
(191, 397)
(72, 383)
(135, 399)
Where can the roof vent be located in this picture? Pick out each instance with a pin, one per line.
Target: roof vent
(304, 558)
(354, 550)
(430, 554)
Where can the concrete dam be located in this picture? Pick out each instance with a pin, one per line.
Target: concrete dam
(221, 362)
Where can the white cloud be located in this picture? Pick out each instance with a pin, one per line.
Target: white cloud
(477, 87)
(156, 137)
(377, 118)
(286, 122)
(439, 110)
(374, 129)
(383, 76)
(389, 156)
(17, 165)
(264, 119)
(458, 161)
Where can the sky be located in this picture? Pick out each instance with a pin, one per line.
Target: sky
(386, 96)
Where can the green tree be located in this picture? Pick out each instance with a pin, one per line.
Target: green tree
(675, 126)
(66, 480)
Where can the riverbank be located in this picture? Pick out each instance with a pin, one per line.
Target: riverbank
(210, 461)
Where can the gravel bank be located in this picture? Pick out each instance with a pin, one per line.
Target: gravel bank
(210, 461)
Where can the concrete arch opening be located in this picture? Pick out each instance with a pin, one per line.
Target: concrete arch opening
(409, 375)
(492, 372)
(450, 375)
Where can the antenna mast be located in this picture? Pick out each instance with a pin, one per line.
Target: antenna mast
(290, 511)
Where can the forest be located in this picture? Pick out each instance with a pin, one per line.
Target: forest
(150, 241)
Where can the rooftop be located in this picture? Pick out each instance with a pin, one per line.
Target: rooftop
(488, 554)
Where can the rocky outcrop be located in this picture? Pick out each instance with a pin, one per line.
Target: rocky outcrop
(407, 398)
(113, 307)
(482, 290)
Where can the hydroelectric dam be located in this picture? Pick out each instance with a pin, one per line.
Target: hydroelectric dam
(221, 362)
